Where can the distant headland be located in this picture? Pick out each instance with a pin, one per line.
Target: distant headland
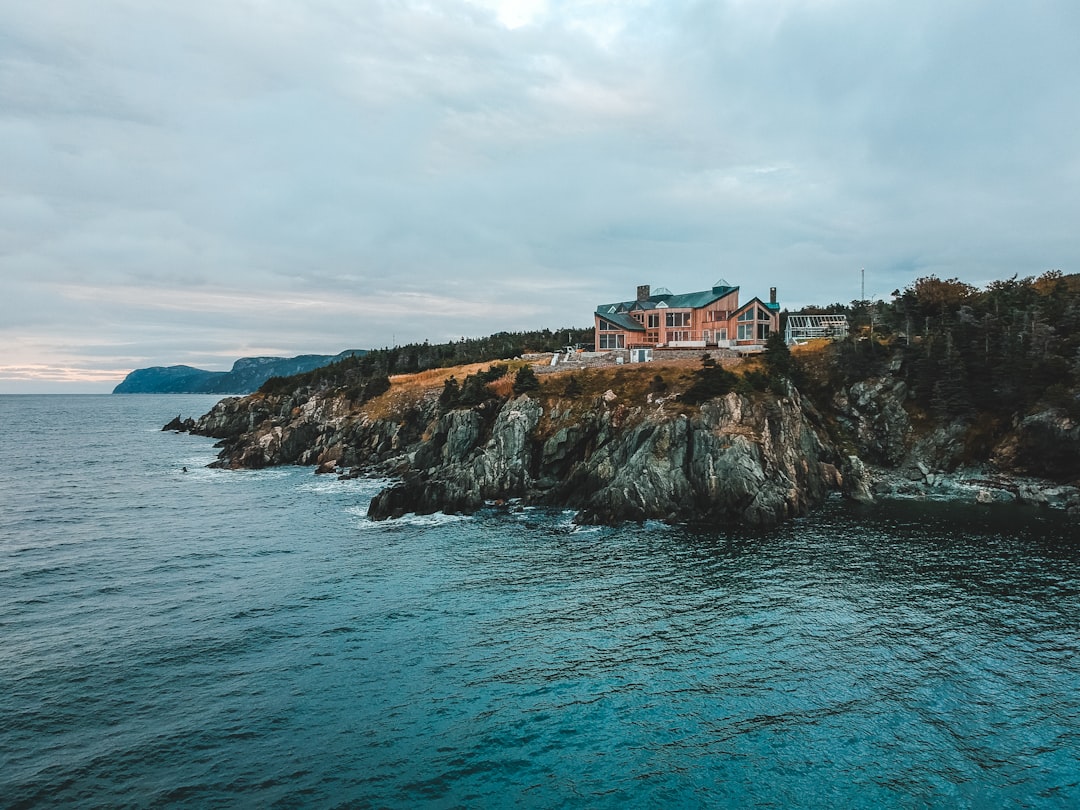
(245, 377)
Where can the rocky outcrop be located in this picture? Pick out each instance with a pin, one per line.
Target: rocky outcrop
(1045, 443)
(735, 461)
(872, 413)
(180, 425)
(738, 459)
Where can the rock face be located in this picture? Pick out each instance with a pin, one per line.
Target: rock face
(872, 412)
(736, 460)
(751, 460)
(1045, 443)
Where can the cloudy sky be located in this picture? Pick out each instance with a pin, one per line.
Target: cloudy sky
(192, 182)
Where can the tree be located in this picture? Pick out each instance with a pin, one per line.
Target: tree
(525, 381)
(450, 392)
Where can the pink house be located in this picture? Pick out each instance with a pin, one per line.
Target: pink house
(712, 317)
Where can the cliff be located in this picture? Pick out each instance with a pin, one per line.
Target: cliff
(246, 375)
(747, 458)
(1031, 459)
(653, 441)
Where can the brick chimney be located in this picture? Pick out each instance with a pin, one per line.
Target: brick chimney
(643, 292)
(772, 295)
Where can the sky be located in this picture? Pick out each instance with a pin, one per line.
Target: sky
(193, 182)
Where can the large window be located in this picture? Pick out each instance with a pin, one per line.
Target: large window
(763, 331)
(607, 326)
(653, 322)
(679, 335)
(745, 331)
(677, 319)
(616, 341)
(747, 316)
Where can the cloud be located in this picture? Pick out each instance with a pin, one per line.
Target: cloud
(193, 180)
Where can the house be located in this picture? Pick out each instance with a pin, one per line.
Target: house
(711, 317)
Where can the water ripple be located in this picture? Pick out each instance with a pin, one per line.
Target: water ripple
(208, 638)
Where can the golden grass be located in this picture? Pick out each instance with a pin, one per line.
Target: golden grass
(815, 346)
(632, 383)
(408, 389)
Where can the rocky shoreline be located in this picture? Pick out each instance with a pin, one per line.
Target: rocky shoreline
(751, 460)
(735, 460)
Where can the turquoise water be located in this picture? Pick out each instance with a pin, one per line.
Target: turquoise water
(224, 639)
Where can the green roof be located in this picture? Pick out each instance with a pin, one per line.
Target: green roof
(620, 319)
(693, 300)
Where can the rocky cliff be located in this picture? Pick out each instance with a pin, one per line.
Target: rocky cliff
(752, 456)
(1034, 460)
(748, 459)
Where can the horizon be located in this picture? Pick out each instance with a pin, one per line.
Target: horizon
(192, 185)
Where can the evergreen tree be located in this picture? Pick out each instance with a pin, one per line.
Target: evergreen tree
(525, 380)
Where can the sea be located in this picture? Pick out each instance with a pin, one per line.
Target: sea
(216, 638)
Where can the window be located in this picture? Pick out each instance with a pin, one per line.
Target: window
(721, 334)
(762, 315)
(747, 316)
(653, 322)
(637, 316)
(678, 319)
(617, 341)
(680, 335)
(746, 331)
(607, 326)
(763, 331)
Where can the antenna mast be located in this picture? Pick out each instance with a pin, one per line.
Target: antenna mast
(862, 293)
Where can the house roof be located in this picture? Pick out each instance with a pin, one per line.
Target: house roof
(620, 319)
(693, 300)
(774, 308)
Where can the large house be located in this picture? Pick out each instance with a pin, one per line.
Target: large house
(690, 320)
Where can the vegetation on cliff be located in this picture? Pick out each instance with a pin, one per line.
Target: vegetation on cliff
(352, 373)
(984, 360)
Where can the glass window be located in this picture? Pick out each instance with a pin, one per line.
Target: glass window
(746, 331)
(617, 341)
(653, 322)
(606, 326)
(747, 316)
(676, 319)
(763, 331)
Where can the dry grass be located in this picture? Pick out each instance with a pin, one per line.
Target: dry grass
(632, 383)
(815, 346)
(406, 390)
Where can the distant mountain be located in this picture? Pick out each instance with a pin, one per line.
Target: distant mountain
(247, 374)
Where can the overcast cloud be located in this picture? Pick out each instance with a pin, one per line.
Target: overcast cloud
(194, 182)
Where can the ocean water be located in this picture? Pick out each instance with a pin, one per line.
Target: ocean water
(250, 639)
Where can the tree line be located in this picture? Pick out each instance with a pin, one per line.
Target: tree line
(962, 350)
(364, 377)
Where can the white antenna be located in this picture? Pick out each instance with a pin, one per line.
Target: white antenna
(862, 294)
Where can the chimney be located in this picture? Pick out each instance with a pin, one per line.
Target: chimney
(643, 291)
(772, 295)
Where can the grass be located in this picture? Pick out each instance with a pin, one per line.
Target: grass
(632, 384)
